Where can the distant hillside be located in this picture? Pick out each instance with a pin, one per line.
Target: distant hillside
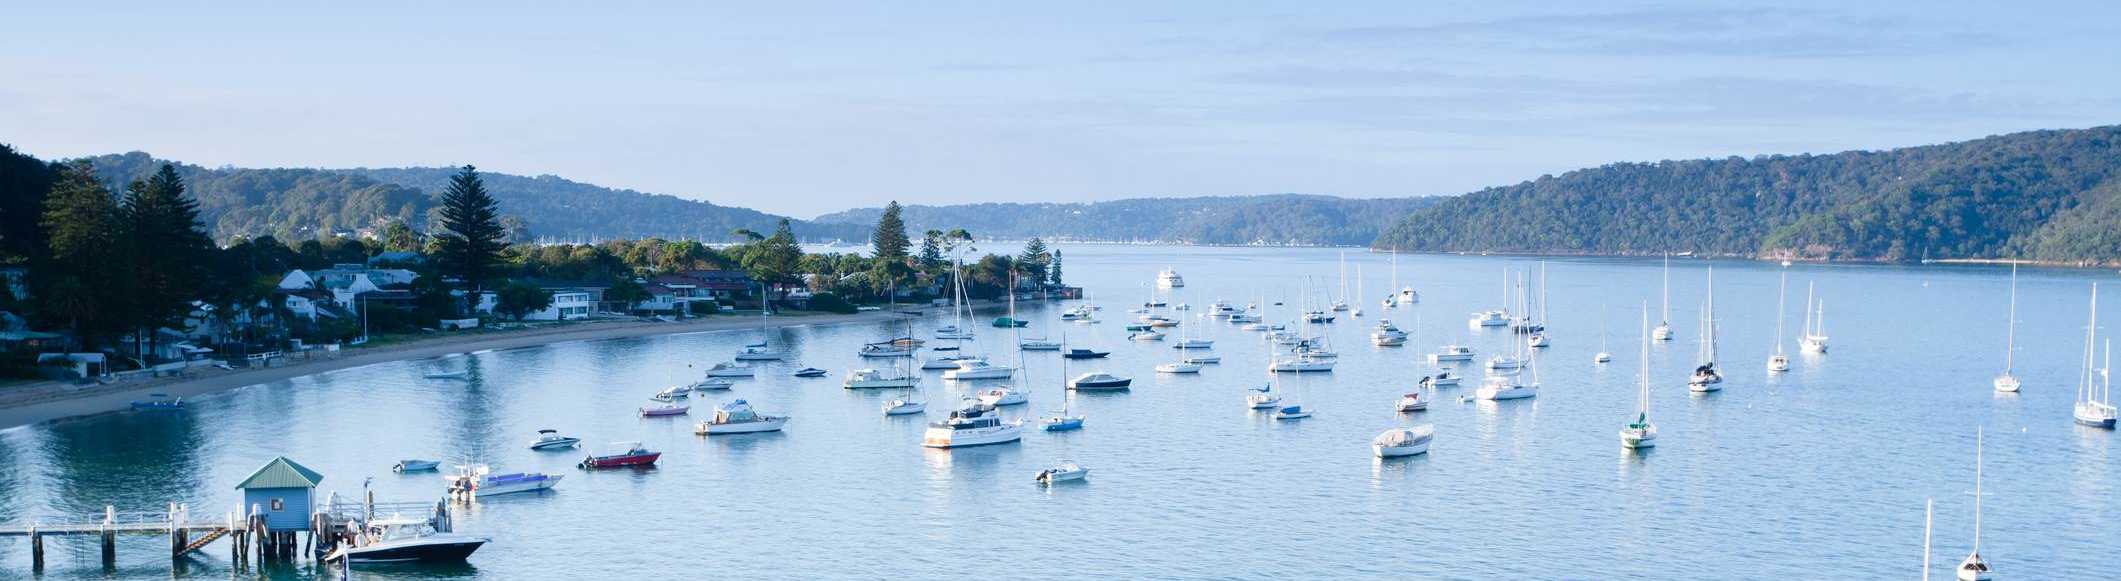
(1269, 219)
(299, 203)
(2043, 195)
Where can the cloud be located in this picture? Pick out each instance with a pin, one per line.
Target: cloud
(1756, 32)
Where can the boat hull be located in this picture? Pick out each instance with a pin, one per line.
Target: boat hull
(431, 549)
(621, 461)
(882, 384)
(1101, 385)
(764, 424)
(948, 438)
(1492, 393)
(1399, 451)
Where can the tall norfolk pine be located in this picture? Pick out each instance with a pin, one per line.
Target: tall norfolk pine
(472, 239)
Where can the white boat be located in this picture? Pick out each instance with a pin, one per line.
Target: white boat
(974, 368)
(2094, 403)
(886, 349)
(1706, 378)
(711, 384)
(1602, 357)
(1292, 412)
(549, 439)
(944, 361)
(737, 417)
(1641, 433)
(729, 370)
(1263, 398)
(1505, 387)
(1448, 353)
(1065, 472)
(1440, 380)
(952, 332)
(1169, 278)
(1002, 396)
(1146, 336)
(1663, 332)
(1178, 367)
(870, 378)
(1974, 568)
(760, 353)
(971, 425)
(1387, 334)
(1100, 381)
(397, 539)
(1814, 340)
(2007, 382)
(1193, 344)
(1060, 420)
(1202, 359)
(665, 410)
(1495, 318)
(1402, 442)
(1039, 344)
(1537, 341)
(1413, 401)
(1301, 364)
(1779, 362)
(1505, 362)
(478, 480)
(673, 392)
(415, 465)
(904, 407)
(1407, 296)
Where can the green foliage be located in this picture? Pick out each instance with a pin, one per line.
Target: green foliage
(24, 183)
(627, 292)
(1274, 219)
(773, 260)
(165, 250)
(1053, 271)
(472, 237)
(518, 299)
(1034, 261)
(889, 240)
(80, 286)
(398, 237)
(831, 303)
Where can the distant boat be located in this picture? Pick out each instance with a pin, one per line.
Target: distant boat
(869, 378)
(904, 407)
(737, 417)
(2094, 406)
(623, 454)
(1413, 401)
(1451, 353)
(1099, 381)
(1814, 340)
(809, 372)
(1779, 362)
(1974, 568)
(1663, 332)
(158, 402)
(1002, 396)
(973, 368)
(478, 480)
(1263, 398)
(729, 370)
(1294, 412)
(1641, 433)
(549, 439)
(1402, 442)
(416, 466)
(665, 410)
(1064, 472)
(2007, 382)
(971, 425)
(1169, 278)
(1079, 353)
(1706, 378)
(1178, 367)
(1038, 344)
(711, 384)
(1061, 420)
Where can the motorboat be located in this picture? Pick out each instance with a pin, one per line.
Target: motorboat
(479, 480)
(1099, 381)
(1203, 359)
(1156, 322)
(550, 439)
(974, 368)
(1243, 318)
(1449, 353)
(1505, 363)
(405, 540)
(1080, 353)
(1255, 326)
(904, 407)
(1407, 296)
(158, 402)
(1505, 387)
(952, 332)
(810, 372)
(869, 378)
(665, 410)
(729, 370)
(416, 466)
(1038, 344)
(1537, 341)
(1443, 378)
(1065, 472)
(1403, 442)
(1294, 412)
(1300, 364)
(886, 349)
(1413, 401)
(971, 425)
(623, 454)
(1146, 336)
(1002, 396)
(711, 384)
(1132, 327)
(672, 393)
(1496, 318)
(944, 361)
(1168, 278)
(737, 417)
(1178, 367)
(760, 352)
(1194, 344)
(1387, 334)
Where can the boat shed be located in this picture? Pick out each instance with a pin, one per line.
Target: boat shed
(282, 492)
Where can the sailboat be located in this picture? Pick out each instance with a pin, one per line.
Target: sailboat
(1663, 332)
(1341, 303)
(1779, 362)
(1392, 300)
(2095, 406)
(1706, 378)
(1495, 317)
(1357, 306)
(1061, 421)
(956, 330)
(1814, 340)
(1974, 568)
(1641, 433)
(1265, 397)
(1605, 329)
(1929, 510)
(762, 350)
(2007, 382)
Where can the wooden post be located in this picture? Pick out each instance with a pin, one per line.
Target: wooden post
(110, 536)
(36, 549)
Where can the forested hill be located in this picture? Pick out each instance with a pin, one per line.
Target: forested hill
(1268, 219)
(300, 203)
(2044, 195)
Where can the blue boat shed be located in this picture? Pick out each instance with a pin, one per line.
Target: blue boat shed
(283, 492)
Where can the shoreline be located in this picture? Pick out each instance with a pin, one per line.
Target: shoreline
(48, 401)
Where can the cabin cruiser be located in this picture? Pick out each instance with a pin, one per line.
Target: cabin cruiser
(1490, 319)
(1441, 379)
(1413, 401)
(623, 454)
(672, 393)
(1099, 381)
(975, 368)
(1195, 344)
(1407, 296)
(1452, 353)
(405, 540)
(1501, 387)
(1318, 317)
(550, 439)
(886, 349)
(759, 352)
(729, 370)
(1002, 396)
(737, 417)
(1065, 472)
(869, 378)
(1388, 335)
(1169, 278)
(1402, 442)
(479, 480)
(971, 425)
(1300, 364)
(1146, 336)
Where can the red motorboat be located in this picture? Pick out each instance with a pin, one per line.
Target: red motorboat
(631, 454)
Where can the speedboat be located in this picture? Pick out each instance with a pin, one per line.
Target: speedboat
(479, 480)
(809, 372)
(1441, 379)
(158, 402)
(1065, 472)
(1038, 345)
(1204, 360)
(759, 352)
(1502, 387)
(1263, 398)
(1178, 367)
(1294, 412)
(1099, 381)
(405, 540)
(1537, 341)
(1300, 364)
(1195, 344)
(665, 410)
(1002, 396)
(729, 370)
(1388, 335)
(1489, 319)
(1504, 363)
(901, 407)
(550, 439)
(711, 384)
(1402, 442)
(944, 362)
(1080, 353)
(868, 378)
(1452, 353)
(737, 417)
(675, 392)
(416, 466)
(1168, 278)
(1413, 401)
(974, 368)
(971, 425)
(1146, 336)
(623, 454)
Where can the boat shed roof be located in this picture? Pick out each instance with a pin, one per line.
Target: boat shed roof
(282, 473)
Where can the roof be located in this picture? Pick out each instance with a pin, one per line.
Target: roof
(282, 473)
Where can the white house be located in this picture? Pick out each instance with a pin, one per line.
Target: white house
(567, 305)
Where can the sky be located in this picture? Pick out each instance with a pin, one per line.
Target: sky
(802, 108)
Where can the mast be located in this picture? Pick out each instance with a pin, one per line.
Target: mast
(1929, 509)
(1977, 491)
(2010, 333)
(1781, 296)
(1343, 277)
(1665, 315)
(1394, 289)
(1644, 370)
(1808, 309)
(2091, 329)
(1543, 293)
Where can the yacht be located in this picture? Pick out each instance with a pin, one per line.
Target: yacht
(737, 417)
(398, 539)
(759, 352)
(1502, 387)
(1706, 378)
(972, 425)
(1449, 353)
(1060, 420)
(729, 370)
(2007, 382)
(970, 369)
(1388, 335)
(1496, 318)
(1263, 398)
(1974, 568)
(1002, 396)
(1300, 364)
(904, 407)
(550, 439)
(1318, 317)
(2095, 403)
(1194, 344)
(1169, 278)
(1099, 381)
(1402, 442)
(809, 372)
(1814, 340)
(1537, 341)
(869, 378)
(1413, 401)
(1146, 336)
(1779, 362)
(672, 393)
(479, 480)
(1065, 472)
(1641, 433)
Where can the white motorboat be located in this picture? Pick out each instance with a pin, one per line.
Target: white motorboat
(2094, 401)
(1099, 381)
(1974, 568)
(1193, 344)
(1495, 318)
(1039, 344)
(2007, 382)
(952, 332)
(478, 480)
(673, 392)
(549, 439)
(1300, 364)
(729, 370)
(886, 349)
(1602, 357)
(974, 368)
(1146, 336)
(972, 425)
(1441, 379)
(1169, 278)
(396, 539)
(737, 417)
(710, 384)
(1178, 367)
(1388, 335)
(869, 378)
(1505, 363)
(1413, 401)
(1641, 433)
(1065, 472)
(1449, 353)
(1402, 442)
(1505, 387)
(415, 465)
(1002, 396)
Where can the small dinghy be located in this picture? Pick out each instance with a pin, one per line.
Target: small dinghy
(416, 466)
(665, 410)
(1065, 472)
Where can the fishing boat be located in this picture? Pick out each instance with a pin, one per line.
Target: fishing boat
(975, 368)
(1706, 378)
(1100, 381)
(1080, 353)
(1064, 472)
(550, 439)
(1663, 332)
(1641, 433)
(1168, 278)
(478, 480)
(404, 540)
(729, 370)
(737, 417)
(623, 454)
(810, 372)
(1814, 340)
(1448, 353)
(971, 425)
(871, 378)
(665, 410)
(1403, 442)
(1779, 362)
(158, 402)
(1974, 568)
(2095, 405)
(1002, 396)
(2007, 382)
(416, 466)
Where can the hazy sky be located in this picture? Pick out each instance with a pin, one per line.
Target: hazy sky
(804, 108)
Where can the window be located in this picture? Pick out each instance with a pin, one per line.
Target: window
(278, 505)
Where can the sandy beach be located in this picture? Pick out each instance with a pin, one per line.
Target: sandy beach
(38, 402)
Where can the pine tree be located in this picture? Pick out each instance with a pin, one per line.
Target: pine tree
(1032, 263)
(81, 223)
(473, 238)
(932, 250)
(166, 251)
(890, 238)
(1053, 271)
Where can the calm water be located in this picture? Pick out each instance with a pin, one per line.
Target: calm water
(1819, 473)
